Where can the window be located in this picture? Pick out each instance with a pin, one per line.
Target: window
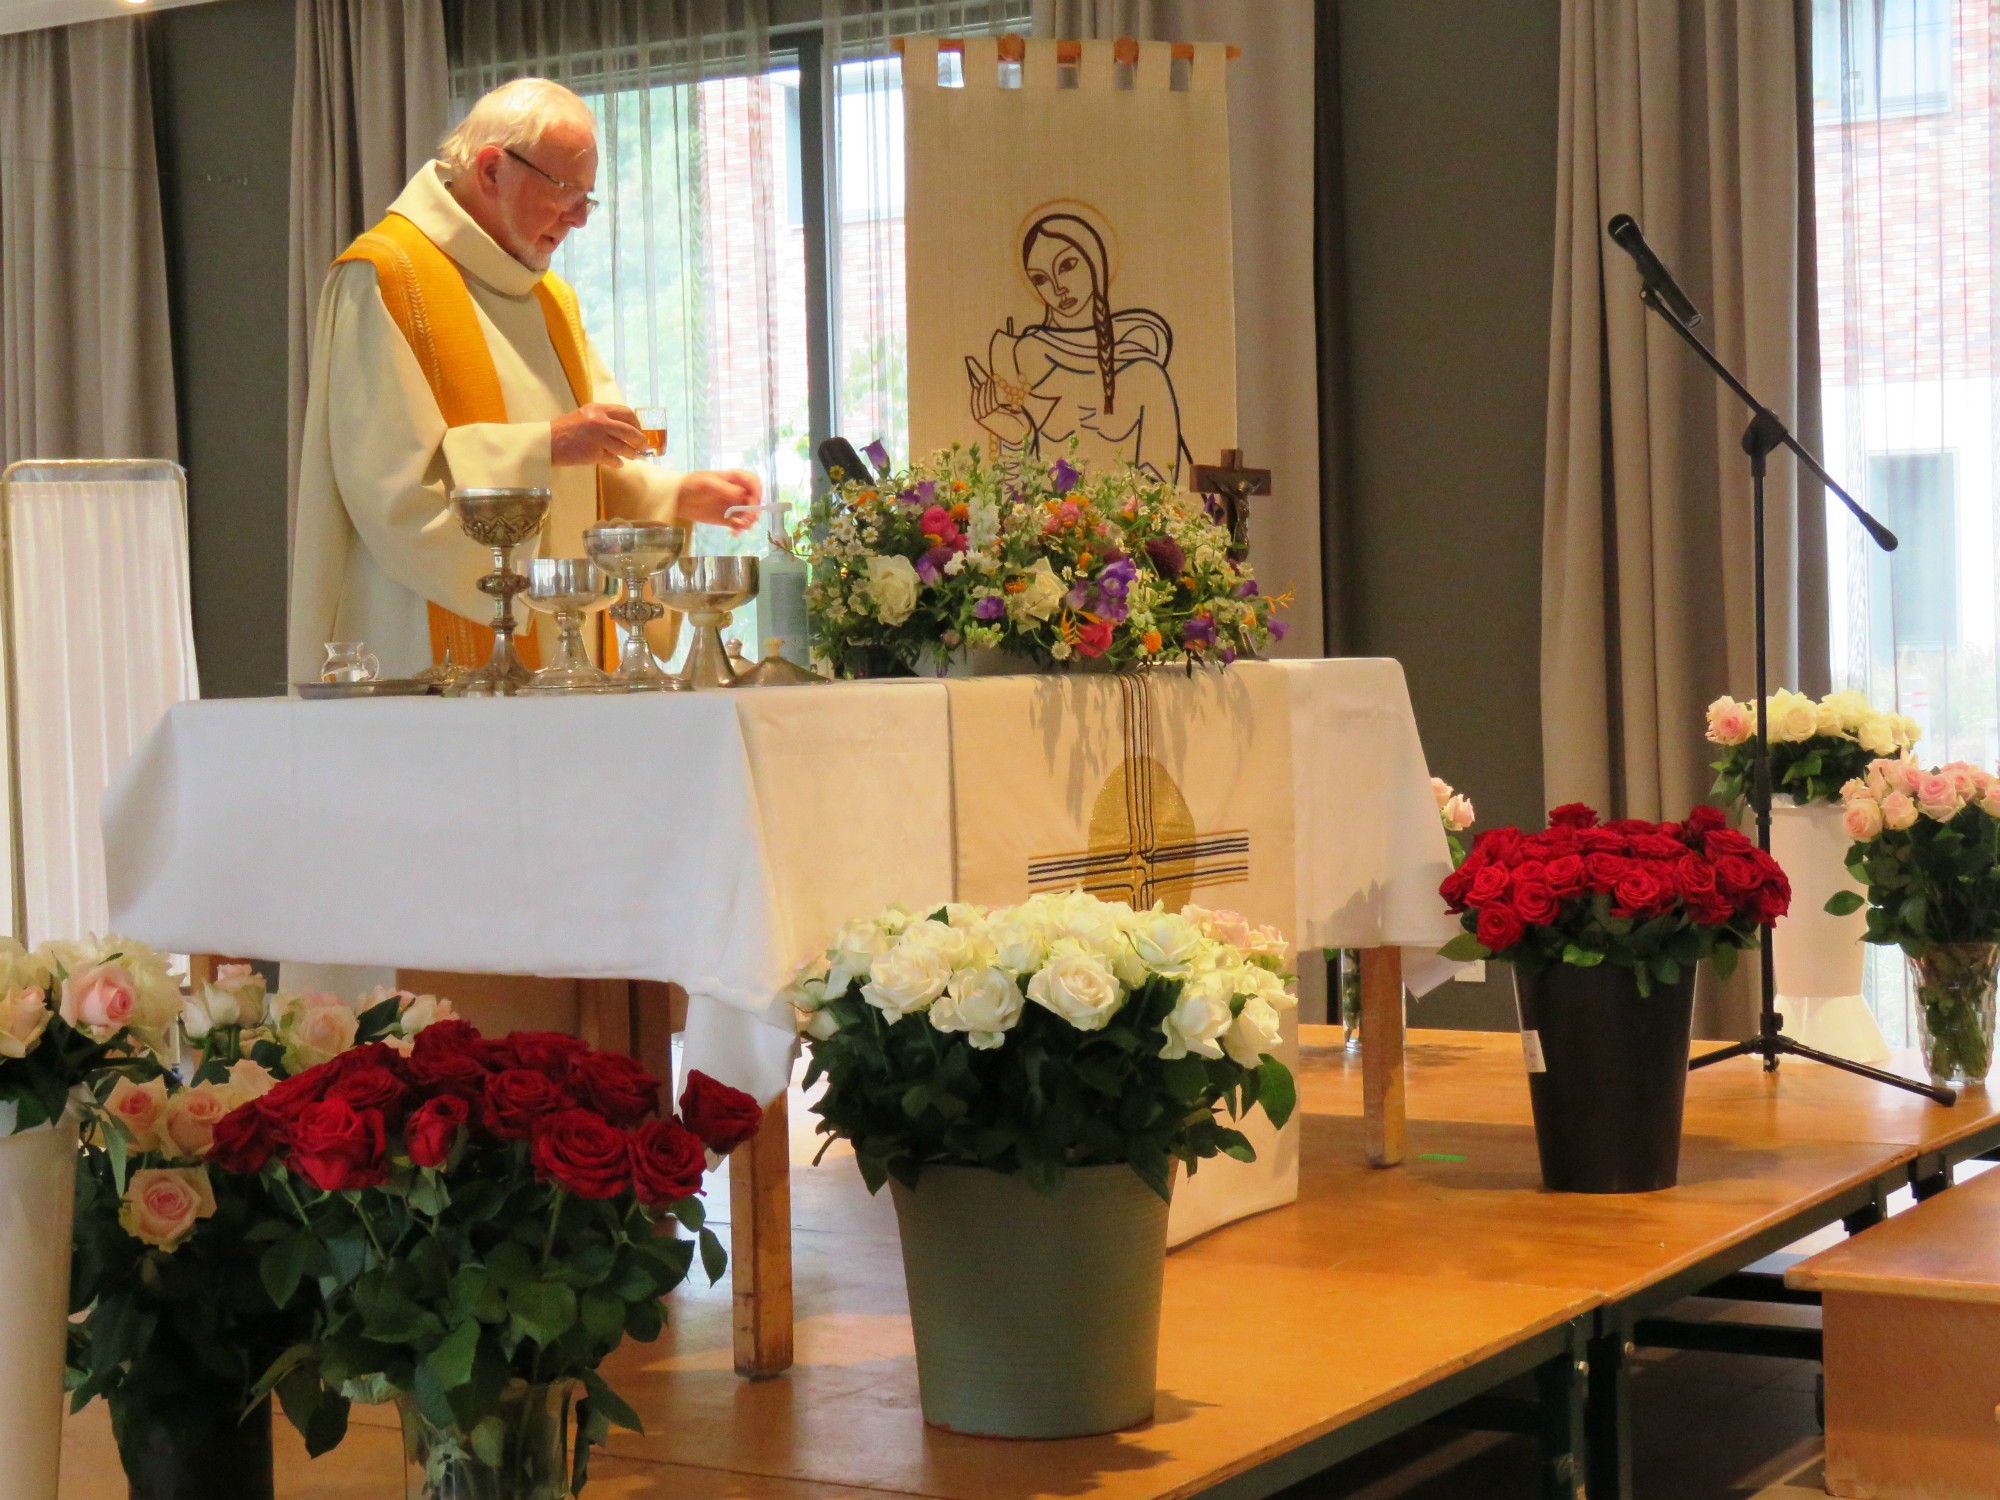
(1881, 58)
(1916, 494)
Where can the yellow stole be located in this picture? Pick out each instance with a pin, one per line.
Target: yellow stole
(425, 293)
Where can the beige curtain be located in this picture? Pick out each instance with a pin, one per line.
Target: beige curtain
(368, 109)
(1686, 117)
(86, 363)
(1271, 122)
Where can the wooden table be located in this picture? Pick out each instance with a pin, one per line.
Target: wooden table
(1290, 1341)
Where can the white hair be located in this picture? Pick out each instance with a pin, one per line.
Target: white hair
(515, 114)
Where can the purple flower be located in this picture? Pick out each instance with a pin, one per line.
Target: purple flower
(992, 607)
(927, 493)
(1247, 589)
(1078, 597)
(1064, 476)
(877, 455)
(930, 567)
(910, 500)
(1166, 555)
(1114, 609)
(1213, 505)
(1228, 655)
(1277, 630)
(1116, 580)
(1200, 631)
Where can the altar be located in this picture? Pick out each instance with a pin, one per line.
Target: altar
(714, 840)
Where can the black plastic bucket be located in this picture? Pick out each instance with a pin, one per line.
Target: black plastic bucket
(1607, 1075)
(223, 1459)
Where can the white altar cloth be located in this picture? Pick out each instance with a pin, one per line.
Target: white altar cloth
(708, 839)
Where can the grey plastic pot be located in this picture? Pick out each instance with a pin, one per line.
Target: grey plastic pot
(1034, 1317)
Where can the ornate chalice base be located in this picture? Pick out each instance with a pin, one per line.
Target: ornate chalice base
(706, 589)
(632, 552)
(501, 519)
(570, 589)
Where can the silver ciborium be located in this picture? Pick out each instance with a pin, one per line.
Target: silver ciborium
(570, 589)
(632, 552)
(501, 519)
(706, 589)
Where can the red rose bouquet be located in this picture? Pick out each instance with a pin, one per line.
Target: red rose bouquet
(1656, 898)
(479, 1217)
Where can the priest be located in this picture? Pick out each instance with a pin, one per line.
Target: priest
(447, 355)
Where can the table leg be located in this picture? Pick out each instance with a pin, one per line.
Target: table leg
(1563, 1384)
(760, 1246)
(1382, 1054)
(1608, 1421)
(604, 1014)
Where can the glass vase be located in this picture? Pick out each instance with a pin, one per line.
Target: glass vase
(1954, 984)
(523, 1456)
(1348, 969)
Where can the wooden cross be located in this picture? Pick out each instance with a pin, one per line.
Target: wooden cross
(1233, 484)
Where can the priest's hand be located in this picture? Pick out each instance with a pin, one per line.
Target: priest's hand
(601, 433)
(722, 497)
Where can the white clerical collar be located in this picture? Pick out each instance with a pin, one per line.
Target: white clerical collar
(427, 203)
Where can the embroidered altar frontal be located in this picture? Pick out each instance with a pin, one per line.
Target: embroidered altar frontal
(1153, 787)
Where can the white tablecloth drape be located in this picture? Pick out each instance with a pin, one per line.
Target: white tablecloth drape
(712, 839)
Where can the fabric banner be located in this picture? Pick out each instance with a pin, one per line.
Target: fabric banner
(1061, 285)
(1144, 788)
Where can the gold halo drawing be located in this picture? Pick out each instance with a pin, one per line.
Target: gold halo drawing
(1076, 207)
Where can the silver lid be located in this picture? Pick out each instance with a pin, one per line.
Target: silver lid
(524, 491)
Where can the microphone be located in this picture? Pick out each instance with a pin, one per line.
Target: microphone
(1624, 232)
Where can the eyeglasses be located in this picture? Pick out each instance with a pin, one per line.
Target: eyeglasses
(578, 196)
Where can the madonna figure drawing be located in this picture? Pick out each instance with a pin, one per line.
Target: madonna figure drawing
(1084, 370)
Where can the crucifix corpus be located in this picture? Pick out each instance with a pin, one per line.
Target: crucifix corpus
(1233, 484)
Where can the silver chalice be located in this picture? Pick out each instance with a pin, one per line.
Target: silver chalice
(501, 519)
(706, 589)
(570, 589)
(632, 552)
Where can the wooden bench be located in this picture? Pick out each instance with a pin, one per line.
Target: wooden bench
(1912, 1318)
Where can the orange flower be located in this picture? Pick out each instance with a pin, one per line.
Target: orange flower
(961, 512)
(958, 486)
(1151, 641)
(869, 496)
(1083, 560)
(1014, 585)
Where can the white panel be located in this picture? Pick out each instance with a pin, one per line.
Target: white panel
(102, 638)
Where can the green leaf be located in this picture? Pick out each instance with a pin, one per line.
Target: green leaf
(1186, 1078)
(542, 1310)
(1725, 960)
(714, 1260)
(282, 1266)
(609, 1405)
(489, 1441)
(1582, 958)
(1845, 903)
(1465, 949)
(602, 1315)
(450, 1364)
(1277, 1090)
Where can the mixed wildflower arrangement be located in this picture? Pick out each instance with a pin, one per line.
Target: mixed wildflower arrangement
(1816, 747)
(1042, 561)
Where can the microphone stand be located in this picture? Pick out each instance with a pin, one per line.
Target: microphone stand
(1764, 436)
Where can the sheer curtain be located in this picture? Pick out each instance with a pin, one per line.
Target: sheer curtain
(1905, 149)
(862, 82)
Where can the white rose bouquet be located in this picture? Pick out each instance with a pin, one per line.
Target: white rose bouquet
(185, 1294)
(1041, 560)
(1063, 1032)
(1816, 747)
